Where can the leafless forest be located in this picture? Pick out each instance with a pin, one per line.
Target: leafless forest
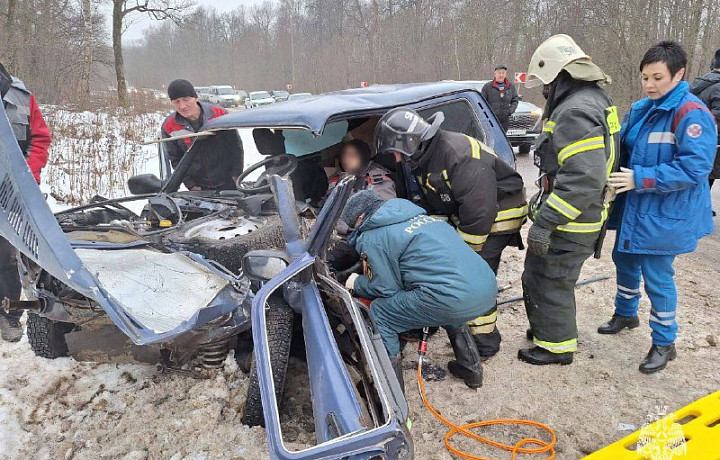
(65, 48)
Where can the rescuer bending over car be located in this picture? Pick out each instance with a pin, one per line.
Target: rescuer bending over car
(418, 273)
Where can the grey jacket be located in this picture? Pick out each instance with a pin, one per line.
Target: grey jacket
(707, 88)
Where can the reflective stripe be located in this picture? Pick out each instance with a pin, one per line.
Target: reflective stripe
(665, 137)
(662, 314)
(512, 213)
(584, 145)
(439, 217)
(627, 296)
(472, 239)
(562, 206)
(478, 146)
(483, 320)
(508, 225)
(628, 290)
(484, 329)
(559, 347)
(667, 322)
(585, 227)
(475, 146)
(549, 126)
(447, 179)
(475, 247)
(427, 183)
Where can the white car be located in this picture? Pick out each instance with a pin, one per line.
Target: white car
(258, 98)
(224, 96)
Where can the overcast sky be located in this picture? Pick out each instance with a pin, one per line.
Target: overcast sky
(140, 23)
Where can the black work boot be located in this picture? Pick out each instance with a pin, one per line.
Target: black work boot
(657, 358)
(10, 329)
(396, 362)
(540, 356)
(487, 344)
(466, 365)
(529, 335)
(617, 323)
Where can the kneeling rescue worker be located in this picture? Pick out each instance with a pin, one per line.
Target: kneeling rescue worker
(418, 273)
(465, 182)
(576, 154)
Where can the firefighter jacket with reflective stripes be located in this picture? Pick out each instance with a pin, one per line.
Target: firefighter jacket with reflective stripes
(220, 159)
(27, 122)
(577, 151)
(672, 156)
(466, 181)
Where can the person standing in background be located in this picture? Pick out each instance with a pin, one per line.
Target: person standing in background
(33, 137)
(707, 89)
(501, 95)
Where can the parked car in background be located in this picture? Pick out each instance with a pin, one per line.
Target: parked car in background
(258, 98)
(202, 92)
(223, 96)
(280, 96)
(296, 96)
(525, 126)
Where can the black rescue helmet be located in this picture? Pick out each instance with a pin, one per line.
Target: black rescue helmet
(403, 130)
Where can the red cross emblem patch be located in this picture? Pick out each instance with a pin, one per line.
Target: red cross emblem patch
(694, 130)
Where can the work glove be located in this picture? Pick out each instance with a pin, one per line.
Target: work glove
(623, 180)
(539, 240)
(350, 282)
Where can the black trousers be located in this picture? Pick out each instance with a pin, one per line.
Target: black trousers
(484, 329)
(549, 291)
(10, 286)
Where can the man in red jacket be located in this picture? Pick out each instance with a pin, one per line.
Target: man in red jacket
(33, 137)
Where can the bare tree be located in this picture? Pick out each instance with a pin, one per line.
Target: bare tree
(157, 9)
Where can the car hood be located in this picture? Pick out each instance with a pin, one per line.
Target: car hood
(27, 222)
(314, 112)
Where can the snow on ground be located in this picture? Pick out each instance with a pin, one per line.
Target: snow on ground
(63, 409)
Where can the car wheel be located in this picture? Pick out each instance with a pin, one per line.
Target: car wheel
(280, 318)
(524, 149)
(47, 337)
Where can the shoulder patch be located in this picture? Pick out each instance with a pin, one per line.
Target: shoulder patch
(694, 130)
(687, 107)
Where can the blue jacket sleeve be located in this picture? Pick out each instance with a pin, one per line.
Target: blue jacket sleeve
(695, 138)
(385, 271)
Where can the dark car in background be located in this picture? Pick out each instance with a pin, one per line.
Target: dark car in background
(280, 96)
(525, 126)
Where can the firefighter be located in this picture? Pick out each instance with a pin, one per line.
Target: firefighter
(33, 137)
(418, 273)
(220, 161)
(576, 154)
(465, 182)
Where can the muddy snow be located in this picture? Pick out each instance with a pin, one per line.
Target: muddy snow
(62, 409)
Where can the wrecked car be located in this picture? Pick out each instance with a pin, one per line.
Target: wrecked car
(101, 280)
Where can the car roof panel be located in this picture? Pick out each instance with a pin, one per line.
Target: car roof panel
(313, 112)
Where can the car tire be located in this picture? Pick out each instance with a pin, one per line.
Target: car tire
(280, 319)
(524, 149)
(47, 337)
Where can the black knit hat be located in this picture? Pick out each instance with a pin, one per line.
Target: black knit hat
(715, 63)
(363, 202)
(180, 88)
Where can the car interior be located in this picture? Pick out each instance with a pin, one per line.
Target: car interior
(318, 155)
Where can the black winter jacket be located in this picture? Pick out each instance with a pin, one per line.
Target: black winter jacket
(503, 103)
(707, 88)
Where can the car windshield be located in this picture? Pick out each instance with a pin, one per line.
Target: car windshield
(280, 93)
(260, 95)
(226, 91)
